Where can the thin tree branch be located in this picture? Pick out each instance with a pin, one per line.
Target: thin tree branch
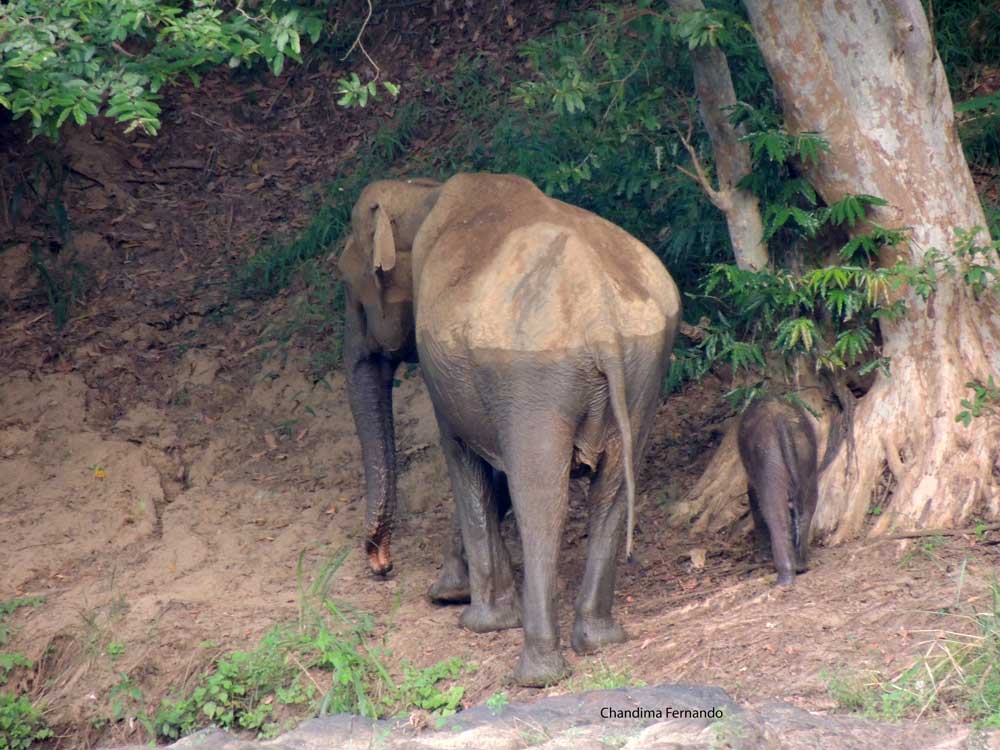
(358, 43)
(720, 200)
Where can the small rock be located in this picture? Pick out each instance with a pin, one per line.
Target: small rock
(698, 555)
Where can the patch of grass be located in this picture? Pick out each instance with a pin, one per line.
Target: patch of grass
(11, 661)
(497, 703)
(851, 692)
(326, 662)
(236, 694)
(62, 282)
(10, 606)
(925, 547)
(318, 317)
(21, 723)
(958, 673)
(599, 676)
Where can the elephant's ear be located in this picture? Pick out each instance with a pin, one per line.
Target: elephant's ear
(384, 257)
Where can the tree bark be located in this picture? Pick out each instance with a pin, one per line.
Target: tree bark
(866, 76)
(714, 88)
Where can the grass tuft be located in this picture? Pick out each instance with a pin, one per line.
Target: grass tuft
(957, 674)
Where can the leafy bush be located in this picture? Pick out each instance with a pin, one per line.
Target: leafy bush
(330, 640)
(21, 723)
(65, 59)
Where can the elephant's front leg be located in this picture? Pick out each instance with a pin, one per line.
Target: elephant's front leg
(452, 586)
(493, 597)
(594, 626)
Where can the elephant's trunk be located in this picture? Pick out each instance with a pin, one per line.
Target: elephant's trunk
(369, 389)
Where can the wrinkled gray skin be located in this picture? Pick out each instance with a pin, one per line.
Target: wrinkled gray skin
(379, 336)
(543, 334)
(778, 448)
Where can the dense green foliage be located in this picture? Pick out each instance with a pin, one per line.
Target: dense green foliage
(21, 723)
(968, 39)
(598, 117)
(64, 60)
(598, 114)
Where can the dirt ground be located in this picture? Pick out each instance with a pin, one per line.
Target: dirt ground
(160, 476)
(127, 559)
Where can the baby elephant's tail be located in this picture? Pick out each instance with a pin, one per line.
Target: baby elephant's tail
(612, 366)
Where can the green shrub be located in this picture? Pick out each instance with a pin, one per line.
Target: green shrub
(21, 723)
(76, 59)
(331, 644)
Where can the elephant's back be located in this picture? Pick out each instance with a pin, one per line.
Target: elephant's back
(503, 266)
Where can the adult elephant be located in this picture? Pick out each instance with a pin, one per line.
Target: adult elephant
(543, 334)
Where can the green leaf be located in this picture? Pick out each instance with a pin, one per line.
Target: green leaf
(314, 28)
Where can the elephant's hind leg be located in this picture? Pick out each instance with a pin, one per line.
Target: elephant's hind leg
(594, 626)
(539, 489)
(772, 499)
(493, 597)
(761, 535)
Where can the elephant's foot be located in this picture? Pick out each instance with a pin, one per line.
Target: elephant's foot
(786, 579)
(450, 588)
(379, 559)
(590, 634)
(485, 618)
(540, 668)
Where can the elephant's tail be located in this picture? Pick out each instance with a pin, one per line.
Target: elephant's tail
(614, 370)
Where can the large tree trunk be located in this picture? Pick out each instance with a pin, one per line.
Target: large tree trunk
(866, 76)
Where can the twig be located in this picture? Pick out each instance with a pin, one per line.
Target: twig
(118, 48)
(917, 533)
(41, 544)
(277, 96)
(414, 449)
(695, 333)
(307, 673)
(4, 203)
(719, 199)
(234, 133)
(358, 43)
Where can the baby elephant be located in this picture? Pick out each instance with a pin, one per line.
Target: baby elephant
(778, 449)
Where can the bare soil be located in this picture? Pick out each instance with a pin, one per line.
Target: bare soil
(159, 476)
